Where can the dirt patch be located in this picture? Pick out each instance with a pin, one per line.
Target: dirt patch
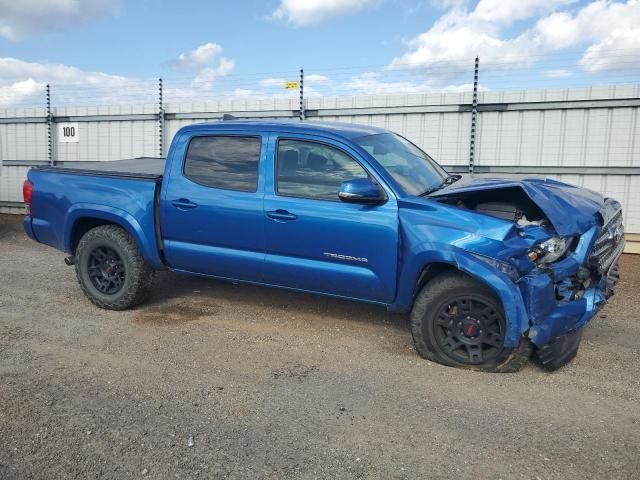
(295, 372)
(6, 219)
(176, 311)
(10, 226)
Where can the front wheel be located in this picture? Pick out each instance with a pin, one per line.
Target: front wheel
(110, 269)
(459, 322)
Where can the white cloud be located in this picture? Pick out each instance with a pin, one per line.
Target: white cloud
(13, 69)
(610, 31)
(202, 59)
(618, 51)
(370, 83)
(460, 35)
(21, 92)
(605, 23)
(198, 57)
(558, 73)
(24, 82)
(20, 18)
(307, 12)
(373, 83)
(316, 78)
(243, 92)
(208, 75)
(611, 28)
(272, 82)
(501, 12)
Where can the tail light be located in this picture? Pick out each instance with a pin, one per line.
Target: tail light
(27, 194)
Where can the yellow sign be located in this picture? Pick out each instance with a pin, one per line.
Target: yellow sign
(291, 85)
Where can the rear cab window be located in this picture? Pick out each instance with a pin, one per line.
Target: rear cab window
(228, 162)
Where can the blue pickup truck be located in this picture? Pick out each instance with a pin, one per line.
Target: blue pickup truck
(491, 270)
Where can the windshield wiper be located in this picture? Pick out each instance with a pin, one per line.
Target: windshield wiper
(447, 181)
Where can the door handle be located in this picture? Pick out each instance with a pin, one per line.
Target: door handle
(183, 203)
(281, 215)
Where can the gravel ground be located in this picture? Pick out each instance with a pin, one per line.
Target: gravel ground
(216, 380)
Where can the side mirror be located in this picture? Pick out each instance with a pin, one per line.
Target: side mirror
(361, 190)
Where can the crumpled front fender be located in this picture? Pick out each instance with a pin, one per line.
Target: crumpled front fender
(500, 283)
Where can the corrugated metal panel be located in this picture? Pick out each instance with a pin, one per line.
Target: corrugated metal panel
(110, 140)
(23, 140)
(593, 136)
(11, 180)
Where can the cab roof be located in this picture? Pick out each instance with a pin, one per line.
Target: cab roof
(348, 131)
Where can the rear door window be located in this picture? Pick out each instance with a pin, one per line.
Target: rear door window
(225, 162)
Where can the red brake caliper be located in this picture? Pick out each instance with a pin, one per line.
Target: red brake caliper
(469, 330)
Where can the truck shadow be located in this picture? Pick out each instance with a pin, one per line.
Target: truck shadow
(179, 297)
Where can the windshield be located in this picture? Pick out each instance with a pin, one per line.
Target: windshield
(414, 170)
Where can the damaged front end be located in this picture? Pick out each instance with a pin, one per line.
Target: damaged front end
(565, 243)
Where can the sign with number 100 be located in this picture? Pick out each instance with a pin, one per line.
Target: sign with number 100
(68, 133)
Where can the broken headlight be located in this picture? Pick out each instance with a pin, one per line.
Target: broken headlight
(550, 250)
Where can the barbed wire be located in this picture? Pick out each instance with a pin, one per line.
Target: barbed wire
(513, 72)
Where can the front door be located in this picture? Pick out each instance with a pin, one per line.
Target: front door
(316, 242)
(212, 216)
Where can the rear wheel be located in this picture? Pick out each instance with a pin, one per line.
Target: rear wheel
(110, 269)
(459, 322)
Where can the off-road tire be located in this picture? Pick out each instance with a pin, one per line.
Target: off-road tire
(442, 290)
(138, 277)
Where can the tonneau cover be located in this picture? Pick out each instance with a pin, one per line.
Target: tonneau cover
(143, 167)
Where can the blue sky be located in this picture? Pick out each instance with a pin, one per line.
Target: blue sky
(101, 48)
(142, 37)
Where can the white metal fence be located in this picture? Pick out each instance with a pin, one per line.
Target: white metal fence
(585, 136)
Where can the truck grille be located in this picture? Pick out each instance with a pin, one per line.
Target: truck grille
(610, 243)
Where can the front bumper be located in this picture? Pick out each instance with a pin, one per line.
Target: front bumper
(550, 318)
(556, 325)
(564, 297)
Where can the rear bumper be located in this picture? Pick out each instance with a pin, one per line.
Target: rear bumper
(28, 228)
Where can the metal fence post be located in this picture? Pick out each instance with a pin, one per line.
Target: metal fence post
(302, 112)
(160, 120)
(49, 132)
(474, 117)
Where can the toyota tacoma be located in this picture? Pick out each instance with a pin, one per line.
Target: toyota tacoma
(492, 270)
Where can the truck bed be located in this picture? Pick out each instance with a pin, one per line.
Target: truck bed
(123, 192)
(142, 168)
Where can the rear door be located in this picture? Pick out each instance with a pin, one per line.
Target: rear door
(212, 205)
(313, 240)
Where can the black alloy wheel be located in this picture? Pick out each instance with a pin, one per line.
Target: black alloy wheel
(106, 270)
(470, 331)
(458, 321)
(110, 268)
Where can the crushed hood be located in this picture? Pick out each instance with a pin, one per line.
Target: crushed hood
(570, 209)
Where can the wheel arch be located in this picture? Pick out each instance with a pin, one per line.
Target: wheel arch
(82, 218)
(81, 226)
(429, 272)
(433, 263)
